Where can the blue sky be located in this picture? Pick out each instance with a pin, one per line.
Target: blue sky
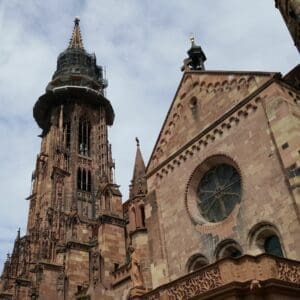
(142, 45)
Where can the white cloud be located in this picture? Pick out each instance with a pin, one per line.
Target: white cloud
(142, 44)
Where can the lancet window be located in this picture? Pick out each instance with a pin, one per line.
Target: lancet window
(67, 135)
(84, 180)
(84, 131)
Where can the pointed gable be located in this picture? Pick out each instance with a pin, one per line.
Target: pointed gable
(201, 99)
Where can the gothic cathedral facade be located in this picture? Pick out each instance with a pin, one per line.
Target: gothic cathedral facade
(215, 214)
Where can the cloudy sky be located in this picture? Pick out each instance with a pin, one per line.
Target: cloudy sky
(142, 45)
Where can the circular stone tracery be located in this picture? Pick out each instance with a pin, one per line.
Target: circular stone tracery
(218, 192)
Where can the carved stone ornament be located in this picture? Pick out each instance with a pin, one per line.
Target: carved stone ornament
(95, 266)
(60, 281)
(135, 269)
(289, 272)
(191, 287)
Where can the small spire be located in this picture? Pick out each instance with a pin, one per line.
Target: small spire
(76, 39)
(138, 182)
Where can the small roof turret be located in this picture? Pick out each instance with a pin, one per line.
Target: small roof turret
(196, 58)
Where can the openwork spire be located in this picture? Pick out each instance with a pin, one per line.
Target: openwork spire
(76, 39)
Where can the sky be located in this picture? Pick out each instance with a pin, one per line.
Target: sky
(142, 45)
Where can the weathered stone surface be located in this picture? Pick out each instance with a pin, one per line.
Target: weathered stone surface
(83, 243)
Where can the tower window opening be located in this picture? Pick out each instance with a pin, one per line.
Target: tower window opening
(89, 182)
(84, 186)
(84, 131)
(79, 179)
(84, 180)
(67, 135)
(143, 215)
(107, 201)
(66, 162)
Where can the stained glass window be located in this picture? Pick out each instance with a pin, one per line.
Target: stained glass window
(218, 192)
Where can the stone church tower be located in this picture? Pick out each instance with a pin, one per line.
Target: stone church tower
(215, 213)
(75, 231)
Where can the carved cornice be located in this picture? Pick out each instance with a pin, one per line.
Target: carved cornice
(22, 282)
(79, 246)
(112, 220)
(192, 285)
(6, 296)
(138, 230)
(60, 172)
(50, 266)
(228, 274)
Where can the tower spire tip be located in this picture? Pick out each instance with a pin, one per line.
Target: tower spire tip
(76, 20)
(137, 142)
(76, 39)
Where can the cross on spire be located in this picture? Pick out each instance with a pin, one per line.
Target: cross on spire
(76, 39)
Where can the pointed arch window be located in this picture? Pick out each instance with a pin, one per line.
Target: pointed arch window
(84, 131)
(84, 180)
(67, 135)
(142, 207)
(84, 188)
(133, 216)
(107, 200)
(89, 181)
(79, 179)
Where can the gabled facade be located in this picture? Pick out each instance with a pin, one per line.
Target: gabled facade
(214, 215)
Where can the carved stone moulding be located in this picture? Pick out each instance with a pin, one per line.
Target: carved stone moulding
(112, 220)
(245, 275)
(120, 275)
(137, 293)
(6, 296)
(79, 246)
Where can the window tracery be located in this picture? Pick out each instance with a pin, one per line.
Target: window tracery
(218, 192)
(84, 180)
